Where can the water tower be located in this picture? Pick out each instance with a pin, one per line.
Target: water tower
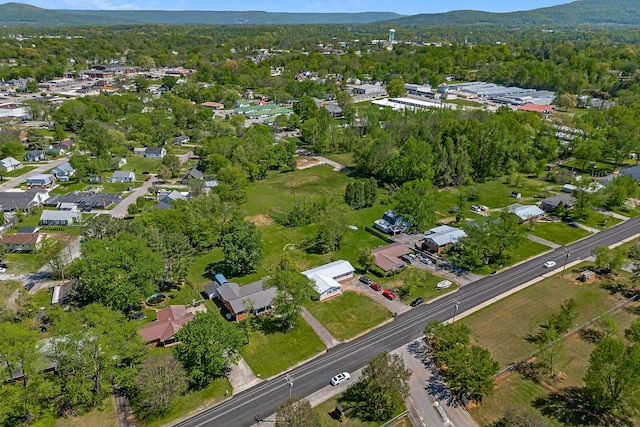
(392, 35)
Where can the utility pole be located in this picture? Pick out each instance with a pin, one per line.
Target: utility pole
(289, 379)
(566, 258)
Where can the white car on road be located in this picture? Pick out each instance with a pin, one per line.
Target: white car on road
(340, 378)
(549, 264)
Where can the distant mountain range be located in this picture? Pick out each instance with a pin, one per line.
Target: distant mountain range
(581, 12)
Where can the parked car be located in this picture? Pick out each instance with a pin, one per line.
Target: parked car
(409, 258)
(443, 284)
(416, 302)
(388, 294)
(340, 378)
(375, 286)
(549, 264)
(366, 280)
(148, 178)
(573, 224)
(567, 219)
(423, 259)
(475, 208)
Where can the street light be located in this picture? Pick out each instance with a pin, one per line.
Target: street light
(566, 258)
(289, 379)
(456, 304)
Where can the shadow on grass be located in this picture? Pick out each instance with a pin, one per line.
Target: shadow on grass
(269, 325)
(571, 407)
(622, 289)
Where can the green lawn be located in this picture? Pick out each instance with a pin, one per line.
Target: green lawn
(503, 326)
(348, 315)
(23, 263)
(191, 402)
(599, 220)
(269, 354)
(7, 287)
(139, 164)
(325, 410)
(103, 416)
(345, 159)
(18, 172)
(558, 232)
(67, 187)
(514, 390)
(198, 270)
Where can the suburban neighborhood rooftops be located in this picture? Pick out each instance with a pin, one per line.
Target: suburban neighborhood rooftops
(10, 162)
(23, 238)
(388, 257)
(334, 269)
(122, 174)
(49, 215)
(168, 321)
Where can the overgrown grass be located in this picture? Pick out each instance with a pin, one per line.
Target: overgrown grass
(23, 263)
(7, 287)
(270, 353)
(503, 326)
(325, 411)
(348, 315)
(558, 232)
(191, 402)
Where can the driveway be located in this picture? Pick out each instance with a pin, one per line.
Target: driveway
(394, 306)
(120, 211)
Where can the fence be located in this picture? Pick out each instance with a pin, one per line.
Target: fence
(396, 418)
(567, 335)
(378, 234)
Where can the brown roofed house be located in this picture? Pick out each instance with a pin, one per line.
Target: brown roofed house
(24, 242)
(388, 257)
(161, 332)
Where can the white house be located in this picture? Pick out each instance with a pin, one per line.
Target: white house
(123, 176)
(155, 152)
(326, 278)
(525, 212)
(9, 164)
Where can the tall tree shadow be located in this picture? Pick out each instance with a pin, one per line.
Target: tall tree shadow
(571, 407)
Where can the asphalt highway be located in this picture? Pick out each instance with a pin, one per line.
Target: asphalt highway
(246, 408)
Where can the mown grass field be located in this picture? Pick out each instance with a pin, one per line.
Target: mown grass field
(270, 353)
(558, 232)
(348, 315)
(326, 408)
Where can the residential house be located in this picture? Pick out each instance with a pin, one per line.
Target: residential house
(62, 293)
(441, 237)
(49, 217)
(238, 299)
(123, 176)
(181, 140)
(9, 164)
(632, 171)
(42, 180)
(155, 152)
(63, 172)
(67, 143)
(525, 212)
(569, 188)
(213, 105)
(209, 185)
(193, 174)
(54, 150)
(391, 222)
(211, 290)
(66, 206)
(33, 156)
(11, 201)
(388, 257)
(169, 320)
(172, 197)
(326, 278)
(94, 178)
(23, 242)
(334, 110)
(368, 89)
(551, 204)
(140, 151)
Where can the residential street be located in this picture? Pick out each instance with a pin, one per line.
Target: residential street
(120, 210)
(44, 167)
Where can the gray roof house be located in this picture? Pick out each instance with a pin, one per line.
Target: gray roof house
(438, 238)
(551, 204)
(22, 200)
(33, 156)
(9, 164)
(44, 180)
(155, 152)
(57, 217)
(123, 176)
(236, 298)
(181, 140)
(525, 212)
(64, 170)
(632, 171)
(193, 174)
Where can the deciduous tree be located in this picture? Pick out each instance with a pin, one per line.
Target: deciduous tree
(208, 346)
(297, 413)
(160, 379)
(242, 247)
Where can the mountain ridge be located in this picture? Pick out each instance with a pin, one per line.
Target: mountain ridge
(579, 12)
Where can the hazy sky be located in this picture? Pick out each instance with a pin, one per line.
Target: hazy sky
(405, 7)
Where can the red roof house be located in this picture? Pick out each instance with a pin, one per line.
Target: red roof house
(169, 320)
(388, 257)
